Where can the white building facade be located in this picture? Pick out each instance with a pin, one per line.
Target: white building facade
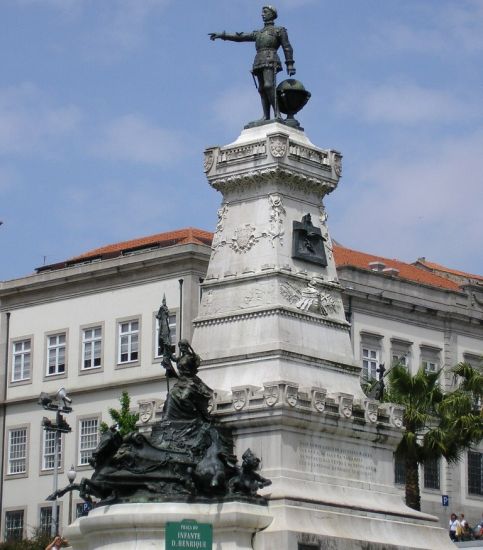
(89, 325)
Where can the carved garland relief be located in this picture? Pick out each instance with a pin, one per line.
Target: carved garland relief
(245, 236)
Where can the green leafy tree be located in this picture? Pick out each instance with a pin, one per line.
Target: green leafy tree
(438, 424)
(124, 418)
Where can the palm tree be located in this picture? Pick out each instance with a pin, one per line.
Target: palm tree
(438, 424)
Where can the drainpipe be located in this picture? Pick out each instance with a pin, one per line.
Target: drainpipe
(4, 415)
(180, 281)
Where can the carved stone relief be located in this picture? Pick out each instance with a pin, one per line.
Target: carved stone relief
(278, 146)
(218, 238)
(146, 410)
(345, 405)
(240, 399)
(318, 400)
(397, 414)
(244, 238)
(208, 160)
(371, 411)
(323, 216)
(291, 395)
(258, 296)
(277, 213)
(310, 298)
(271, 395)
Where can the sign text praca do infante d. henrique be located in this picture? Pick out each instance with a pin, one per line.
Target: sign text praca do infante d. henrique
(189, 534)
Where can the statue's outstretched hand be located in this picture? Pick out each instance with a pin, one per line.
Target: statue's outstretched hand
(290, 70)
(214, 35)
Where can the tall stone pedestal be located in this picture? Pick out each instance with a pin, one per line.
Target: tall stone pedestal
(276, 348)
(143, 526)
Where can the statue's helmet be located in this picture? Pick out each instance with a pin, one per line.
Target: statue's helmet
(273, 10)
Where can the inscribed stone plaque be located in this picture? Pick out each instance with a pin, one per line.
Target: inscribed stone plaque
(342, 461)
(189, 534)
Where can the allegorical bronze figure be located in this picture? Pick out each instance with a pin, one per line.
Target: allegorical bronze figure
(267, 62)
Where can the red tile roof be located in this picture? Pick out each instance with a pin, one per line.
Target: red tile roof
(189, 235)
(343, 256)
(447, 270)
(347, 257)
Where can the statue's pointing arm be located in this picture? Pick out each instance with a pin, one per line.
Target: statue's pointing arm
(287, 50)
(237, 37)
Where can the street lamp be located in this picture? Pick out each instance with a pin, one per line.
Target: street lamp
(71, 474)
(59, 403)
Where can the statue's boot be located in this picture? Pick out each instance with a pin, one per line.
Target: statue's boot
(266, 106)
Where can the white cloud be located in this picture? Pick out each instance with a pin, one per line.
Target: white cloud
(132, 138)
(454, 27)
(30, 123)
(419, 203)
(404, 103)
(237, 106)
(121, 26)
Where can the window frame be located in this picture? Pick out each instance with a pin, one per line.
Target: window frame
(49, 506)
(372, 342)
(13, 343)
(430, 355)
(131, 362)
(401, 350)
(13, 510)
(469, 460)
(432, 467)
(49, 471)
(79, 420)
(399, 471)
(174, 313)
(8, 431)
(56, 375)
(91, 326)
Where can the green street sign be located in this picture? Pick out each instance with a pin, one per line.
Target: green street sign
(189, 534)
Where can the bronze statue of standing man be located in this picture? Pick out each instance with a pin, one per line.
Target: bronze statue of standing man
(267, 63)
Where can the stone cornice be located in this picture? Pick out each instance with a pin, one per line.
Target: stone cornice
(290, 178)
(268, 312)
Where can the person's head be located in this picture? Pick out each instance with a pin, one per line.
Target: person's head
(453, 517)
(269, 13)
(462, 516)
(183, 345)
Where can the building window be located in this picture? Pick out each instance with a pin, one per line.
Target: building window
(128, 341)
(88, 439)
(21, 359)
(430, 359)
(399, 471)
(45, 523)
(400, 352)
(48, 454)
(17, 451)
(14, 525)
(431, 473)
(475, 470)
(56, 354)
(172, 330)
(370, 363)
(91, 347)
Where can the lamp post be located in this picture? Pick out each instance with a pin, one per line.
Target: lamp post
(71, 474)
(59, 403)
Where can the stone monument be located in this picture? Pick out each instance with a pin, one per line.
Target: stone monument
(276, 348)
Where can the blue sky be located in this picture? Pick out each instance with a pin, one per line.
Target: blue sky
(106, 107)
